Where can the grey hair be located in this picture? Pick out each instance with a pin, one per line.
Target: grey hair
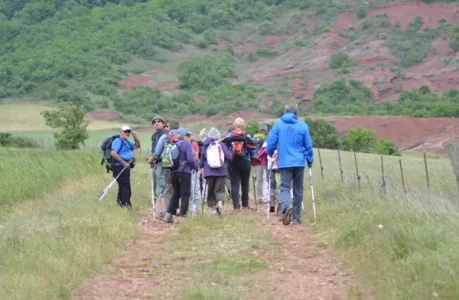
(203, 133)
(214, 133)
(291, 108)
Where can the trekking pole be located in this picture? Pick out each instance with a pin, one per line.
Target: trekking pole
(105, 191)
(255, 192)
(152, 195)
(270, 173)
(320, 161)
(196, 179)
(312, 195)
(203, 195)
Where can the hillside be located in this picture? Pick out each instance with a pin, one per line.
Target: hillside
(131, 59)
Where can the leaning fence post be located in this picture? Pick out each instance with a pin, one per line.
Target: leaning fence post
(357, 169)
(453, 153)
(383, 185)
(427, 173)
(403, 178)
(320, 160)
(340, 168)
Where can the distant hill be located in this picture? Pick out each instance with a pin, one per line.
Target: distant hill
(205, 57)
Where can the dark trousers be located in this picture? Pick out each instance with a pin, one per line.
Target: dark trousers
(124, 186)
(216, 190)
(240, 176)
(181, 184)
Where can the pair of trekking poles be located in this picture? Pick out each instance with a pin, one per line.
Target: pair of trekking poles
(269, 193)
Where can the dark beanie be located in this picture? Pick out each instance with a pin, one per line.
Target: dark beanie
(173, 124)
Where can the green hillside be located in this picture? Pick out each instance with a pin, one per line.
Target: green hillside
(80, 52)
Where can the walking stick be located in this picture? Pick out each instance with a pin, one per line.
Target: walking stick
(255, 192)
(312, 194)
(105, 191)
(203, 197)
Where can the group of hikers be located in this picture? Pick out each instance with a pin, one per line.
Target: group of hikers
(210, 166)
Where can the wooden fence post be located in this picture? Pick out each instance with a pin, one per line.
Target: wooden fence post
(357, 169)
(427, 173)
(340, 168)
(320, 160)
(453, 152)
(403, 178)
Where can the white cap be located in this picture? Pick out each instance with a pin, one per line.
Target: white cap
(125, 127)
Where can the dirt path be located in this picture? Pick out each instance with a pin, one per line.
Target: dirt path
(305, 270)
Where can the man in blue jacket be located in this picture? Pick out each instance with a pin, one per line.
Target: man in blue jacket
(293, 142)
(122, 150)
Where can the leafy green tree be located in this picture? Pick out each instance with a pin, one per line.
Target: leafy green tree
(359, 139)
(71, 119)
(252, 128)
(386, 148)
(323, 133)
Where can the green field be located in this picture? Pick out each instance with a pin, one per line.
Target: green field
(414, 255)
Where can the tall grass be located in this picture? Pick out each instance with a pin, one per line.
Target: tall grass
(415, 253)
(49, 245)
(28, 174)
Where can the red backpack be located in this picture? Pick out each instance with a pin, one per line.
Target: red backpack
(238, 143)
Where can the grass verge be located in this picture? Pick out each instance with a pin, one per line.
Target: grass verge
(414, 255)
(30, 173)
(50, 244)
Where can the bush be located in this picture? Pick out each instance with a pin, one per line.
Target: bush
(265, 52)
(361, 12)
(359, 140)
(300, 43)
(7, 140)
(385, 148)
(340, 60)
(323, 133)
(252, 128)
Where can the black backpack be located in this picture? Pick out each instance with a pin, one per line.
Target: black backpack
(106, 148)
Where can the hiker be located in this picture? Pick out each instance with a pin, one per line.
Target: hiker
(159, 152)
(181, 176)
(195, 175)
(241, 145)
(203, 134)
(213, 158)
(259, 167)
(124, 160)
(155, 158)
(292, 140)
(270, 164)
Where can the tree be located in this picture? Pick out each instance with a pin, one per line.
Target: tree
(359, 140)
(71, 119)
(323, 133)
(386, 148)
(252, 128)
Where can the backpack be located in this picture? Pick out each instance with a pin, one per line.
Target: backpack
(106, 148)
(215, 155)
(171, 155)
(258, 140)
(238, 143)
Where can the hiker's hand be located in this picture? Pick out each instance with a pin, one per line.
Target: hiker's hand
(309, 164)
(133, 133)
(150, 160)
(126, 165)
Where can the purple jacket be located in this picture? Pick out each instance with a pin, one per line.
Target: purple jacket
(208, 171)
(187, 162)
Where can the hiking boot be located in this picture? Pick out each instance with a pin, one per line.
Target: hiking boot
(279, 205)
(296, 222)
(288, 217)
(162, 214)
(219, 209)
(168, 218)
(272, 209)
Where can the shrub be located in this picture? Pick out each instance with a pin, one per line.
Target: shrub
(7, 140)
(340, 60)
(361, 12)
(300, 42)
(359, 139)
(323, 133)
(385, 148)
